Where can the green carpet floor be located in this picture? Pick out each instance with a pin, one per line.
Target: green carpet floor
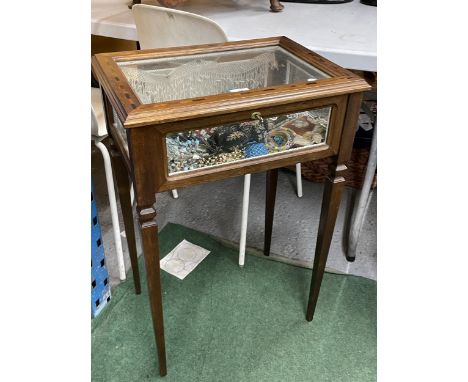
(224, 323)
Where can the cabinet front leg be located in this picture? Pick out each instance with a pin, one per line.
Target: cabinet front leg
(149, 235)
(271, 183)
(330, 205)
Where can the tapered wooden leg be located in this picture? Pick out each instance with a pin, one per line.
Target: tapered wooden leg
(330, 205)
(271, 183)
(123, 186)
(145, 159)
(149, 234)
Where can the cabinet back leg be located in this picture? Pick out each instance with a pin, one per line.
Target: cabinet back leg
(123, 186)
(271, 184)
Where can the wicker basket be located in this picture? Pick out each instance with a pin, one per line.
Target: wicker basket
(317, 171)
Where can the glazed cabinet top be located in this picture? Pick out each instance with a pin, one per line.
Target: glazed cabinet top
(166, 85)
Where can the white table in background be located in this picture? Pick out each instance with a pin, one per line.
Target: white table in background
(344, 33)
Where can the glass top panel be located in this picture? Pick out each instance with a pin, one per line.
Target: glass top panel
(174, 78)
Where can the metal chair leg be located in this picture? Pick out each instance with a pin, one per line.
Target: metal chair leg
(245, 215)
(360, 210)
(113, 208)
(132, 195)
(298, 180)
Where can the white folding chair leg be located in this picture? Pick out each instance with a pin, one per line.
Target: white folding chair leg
(132, 194)
(113, 208)
(175, 195)
(245, 215)
(359, 212)
(298, 180)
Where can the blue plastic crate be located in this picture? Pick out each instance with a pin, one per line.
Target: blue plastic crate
(100, 288)
(99, 300)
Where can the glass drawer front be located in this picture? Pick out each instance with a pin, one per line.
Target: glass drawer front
(209, 147)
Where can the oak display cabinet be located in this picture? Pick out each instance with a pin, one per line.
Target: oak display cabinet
(188, 115)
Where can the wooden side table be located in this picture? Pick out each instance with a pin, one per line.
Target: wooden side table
(190, 115)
